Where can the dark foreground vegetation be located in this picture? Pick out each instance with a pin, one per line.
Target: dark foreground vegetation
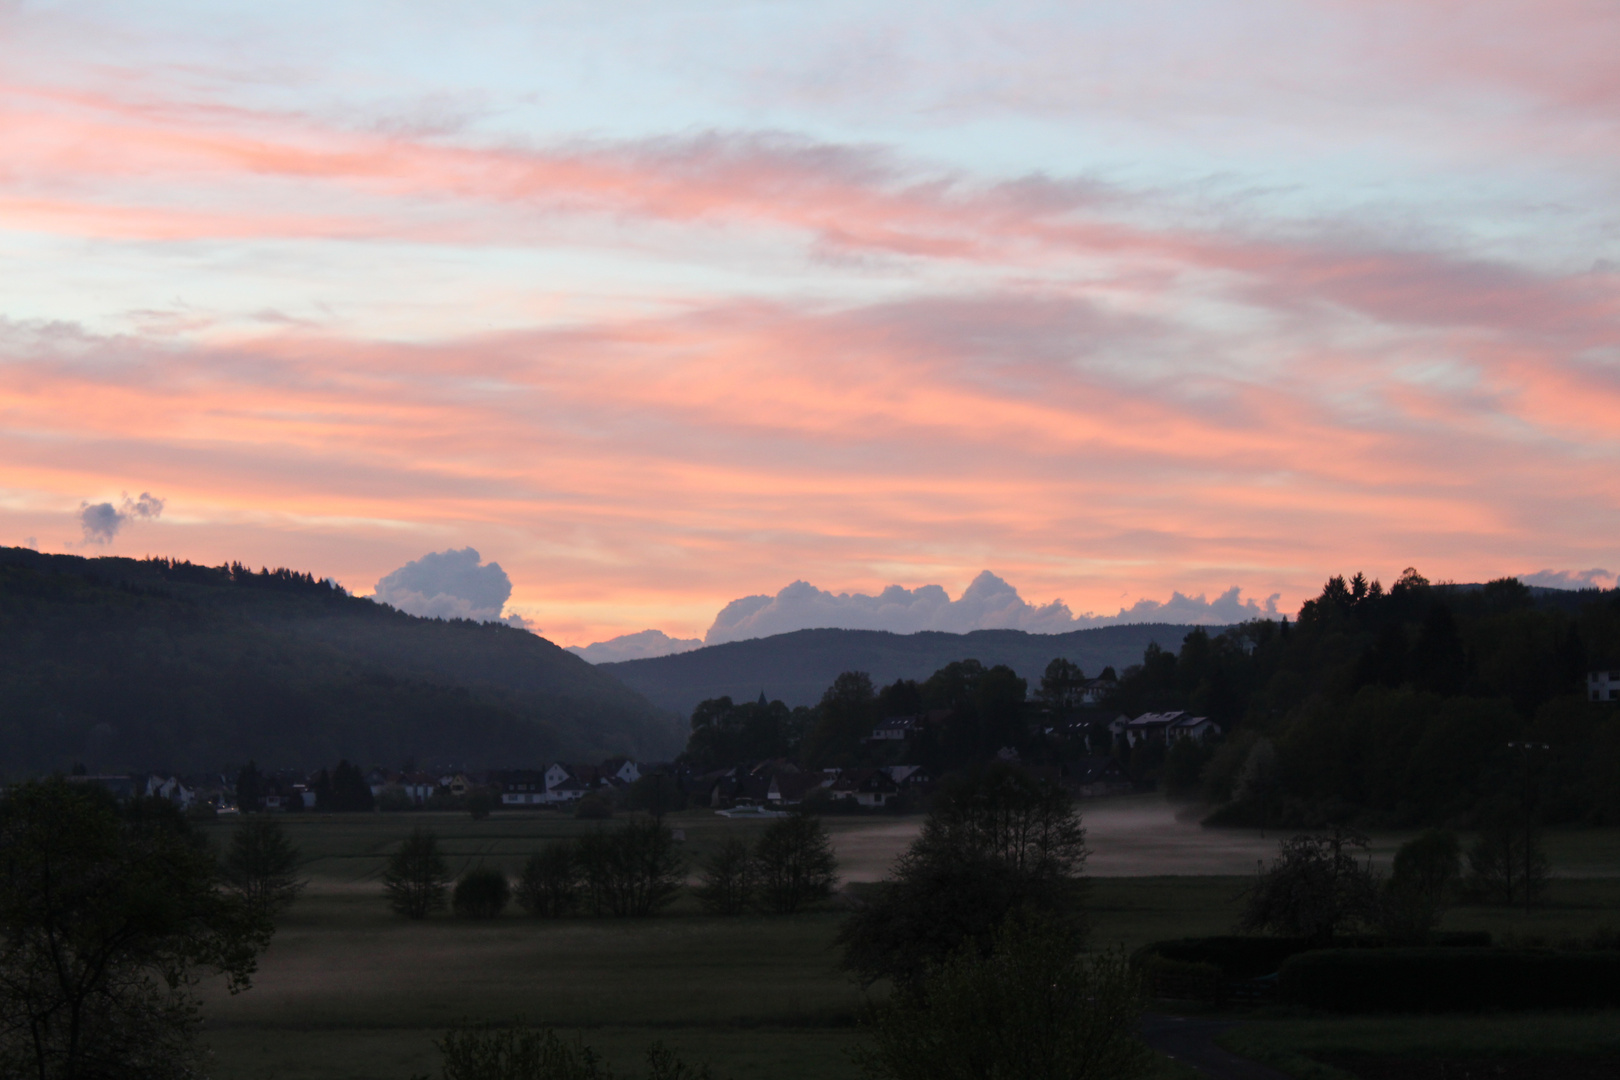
(125, 665)
(1419, 704)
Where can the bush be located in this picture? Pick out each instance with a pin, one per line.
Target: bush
(549, 884)
(1424, 883)
(1315, 888)
(1031, 1007)
(1236, 958)
(996, 844)
(517, 1052)
(1450, 980)
(481, 893)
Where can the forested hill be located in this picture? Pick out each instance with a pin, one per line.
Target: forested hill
(124, 665)
(1406, 706)
(797, 668)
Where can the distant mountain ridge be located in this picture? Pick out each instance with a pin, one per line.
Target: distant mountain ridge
(126, 664)
(797, 667)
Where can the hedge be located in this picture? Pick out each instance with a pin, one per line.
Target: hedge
(1450, 979)
(1241, 958)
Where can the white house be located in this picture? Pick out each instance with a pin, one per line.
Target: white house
(621, 768)
(169, 787)
(1603, 685)
(1192, 727)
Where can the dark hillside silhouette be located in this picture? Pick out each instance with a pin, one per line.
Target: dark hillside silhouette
(130, 664)
(796, 668)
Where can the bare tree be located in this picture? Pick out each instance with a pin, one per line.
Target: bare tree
(261, 866)
(417, 875)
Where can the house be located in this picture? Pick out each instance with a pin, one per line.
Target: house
(894, 729)
(519, 787)
(909, 776)
(867, 787)
(171, 788)
(902, 728)
(1197, 728)
(621, 769)
(789, 789)
(1603, 685)
(1155, 726)
(1092, 691)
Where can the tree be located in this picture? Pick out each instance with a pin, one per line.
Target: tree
(109, 916)
(729, 878)
(795, 863)
(481, 893)
(249, 789)
(261, 866)
(349, 791)
(1061, 687)
(634, 871)
(417, 875)
(549, 884)
(845, 716)
(1420, 887)
(1030, 1007)
(481, 802)
(1314, 889)
(996, 843)
(1507, 864)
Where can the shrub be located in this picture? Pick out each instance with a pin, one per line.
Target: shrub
(1448, 980)
(1235, 958)
(728, 879)
(995, 844)
(481, 893)
(549, 884)
(1414, 899)
(417, 875)
(1315, 888)
(795, 863)
(1030, 1007)
(517, 1052)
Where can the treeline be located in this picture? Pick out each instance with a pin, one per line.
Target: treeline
(979, 710)
(1419, 704)
(633, 871)
(124, 665)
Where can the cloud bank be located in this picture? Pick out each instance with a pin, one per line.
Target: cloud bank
(102, 521)
(989, 603)
(1570, 579)
(450, 585)
(640, 646)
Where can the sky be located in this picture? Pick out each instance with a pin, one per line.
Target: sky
(659, 305)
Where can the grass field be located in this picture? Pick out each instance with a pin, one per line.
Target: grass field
(349, 990)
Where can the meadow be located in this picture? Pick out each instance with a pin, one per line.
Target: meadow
(348, 989)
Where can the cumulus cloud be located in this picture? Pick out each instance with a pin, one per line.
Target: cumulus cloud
(450, 585)
(988, 603)
(102, 521)
(640, 646)
(1570, 579)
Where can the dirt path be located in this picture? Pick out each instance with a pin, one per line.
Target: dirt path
(1192, 1042)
